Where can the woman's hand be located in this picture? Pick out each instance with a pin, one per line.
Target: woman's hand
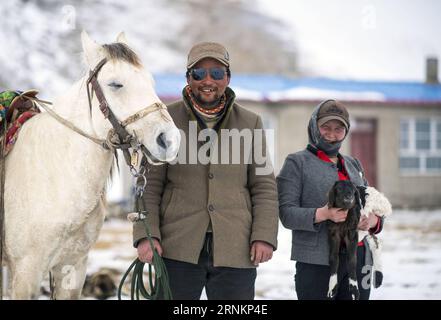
(363, 224)
(368, 222)
(336, 215)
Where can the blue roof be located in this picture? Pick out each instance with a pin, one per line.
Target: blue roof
(278, 88)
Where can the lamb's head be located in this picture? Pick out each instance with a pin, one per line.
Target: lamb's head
(344, 195)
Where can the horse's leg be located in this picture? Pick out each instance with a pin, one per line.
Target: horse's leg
(26, 276)
(69, 279)
(70, 274)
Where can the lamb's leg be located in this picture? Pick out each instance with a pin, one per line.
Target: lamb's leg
(334, 251)
(351, 246)
(375, 246)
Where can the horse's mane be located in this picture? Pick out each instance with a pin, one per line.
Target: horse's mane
(120, 51)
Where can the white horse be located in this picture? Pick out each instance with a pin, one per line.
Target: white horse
(55, 178)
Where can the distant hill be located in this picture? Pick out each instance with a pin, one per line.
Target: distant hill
(41, 39)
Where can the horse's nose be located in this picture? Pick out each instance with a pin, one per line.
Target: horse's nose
(162, 141)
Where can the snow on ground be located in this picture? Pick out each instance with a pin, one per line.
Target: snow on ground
(411, 257)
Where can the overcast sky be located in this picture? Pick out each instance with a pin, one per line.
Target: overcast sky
(352, 39)
(362, 39)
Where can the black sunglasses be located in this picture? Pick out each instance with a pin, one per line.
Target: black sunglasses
(199, 74)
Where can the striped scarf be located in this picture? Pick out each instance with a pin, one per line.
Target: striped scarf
(208, 112)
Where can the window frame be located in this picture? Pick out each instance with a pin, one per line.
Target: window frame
(412, 152)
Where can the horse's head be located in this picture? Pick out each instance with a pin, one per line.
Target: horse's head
(128, 89)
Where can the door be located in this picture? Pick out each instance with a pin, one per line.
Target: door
(364, 146)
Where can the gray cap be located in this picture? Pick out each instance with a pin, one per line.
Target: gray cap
(208, 50)
(333, 110)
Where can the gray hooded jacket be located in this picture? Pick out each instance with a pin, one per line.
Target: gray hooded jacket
(303, 184)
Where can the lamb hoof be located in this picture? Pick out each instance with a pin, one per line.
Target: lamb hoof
(378, 279)
(332, 291)
(353, 289)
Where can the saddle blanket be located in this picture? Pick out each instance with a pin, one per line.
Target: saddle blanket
(16, 107)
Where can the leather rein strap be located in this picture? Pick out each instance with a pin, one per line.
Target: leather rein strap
(126, 140)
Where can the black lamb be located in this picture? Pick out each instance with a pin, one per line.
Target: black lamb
(345, 195)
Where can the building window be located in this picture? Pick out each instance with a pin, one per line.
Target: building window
(420, 146)
(438, 135)
(409, 162)
(433, 163)
(422, 134)
(404, 141)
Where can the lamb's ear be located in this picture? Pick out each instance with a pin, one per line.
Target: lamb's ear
(358, 198)
(331, 197)
(363, 195)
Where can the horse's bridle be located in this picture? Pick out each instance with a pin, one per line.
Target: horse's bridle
(124, 139)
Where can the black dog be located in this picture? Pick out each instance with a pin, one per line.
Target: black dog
(344, 195)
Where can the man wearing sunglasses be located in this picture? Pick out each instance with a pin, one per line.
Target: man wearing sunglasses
(213, 222)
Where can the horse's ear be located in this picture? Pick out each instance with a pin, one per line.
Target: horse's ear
(122, 38)
(92, 50)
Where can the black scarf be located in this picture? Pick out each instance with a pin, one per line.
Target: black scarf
(316, 140)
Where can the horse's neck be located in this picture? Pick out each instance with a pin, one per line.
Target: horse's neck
(73, 106)
(85, 161)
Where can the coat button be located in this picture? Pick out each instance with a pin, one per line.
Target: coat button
(210, 176)
(211, 208)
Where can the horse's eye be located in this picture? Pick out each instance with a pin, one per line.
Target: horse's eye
(115, 85)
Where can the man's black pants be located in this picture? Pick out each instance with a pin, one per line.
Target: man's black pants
(312, 280)
(221, 283)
